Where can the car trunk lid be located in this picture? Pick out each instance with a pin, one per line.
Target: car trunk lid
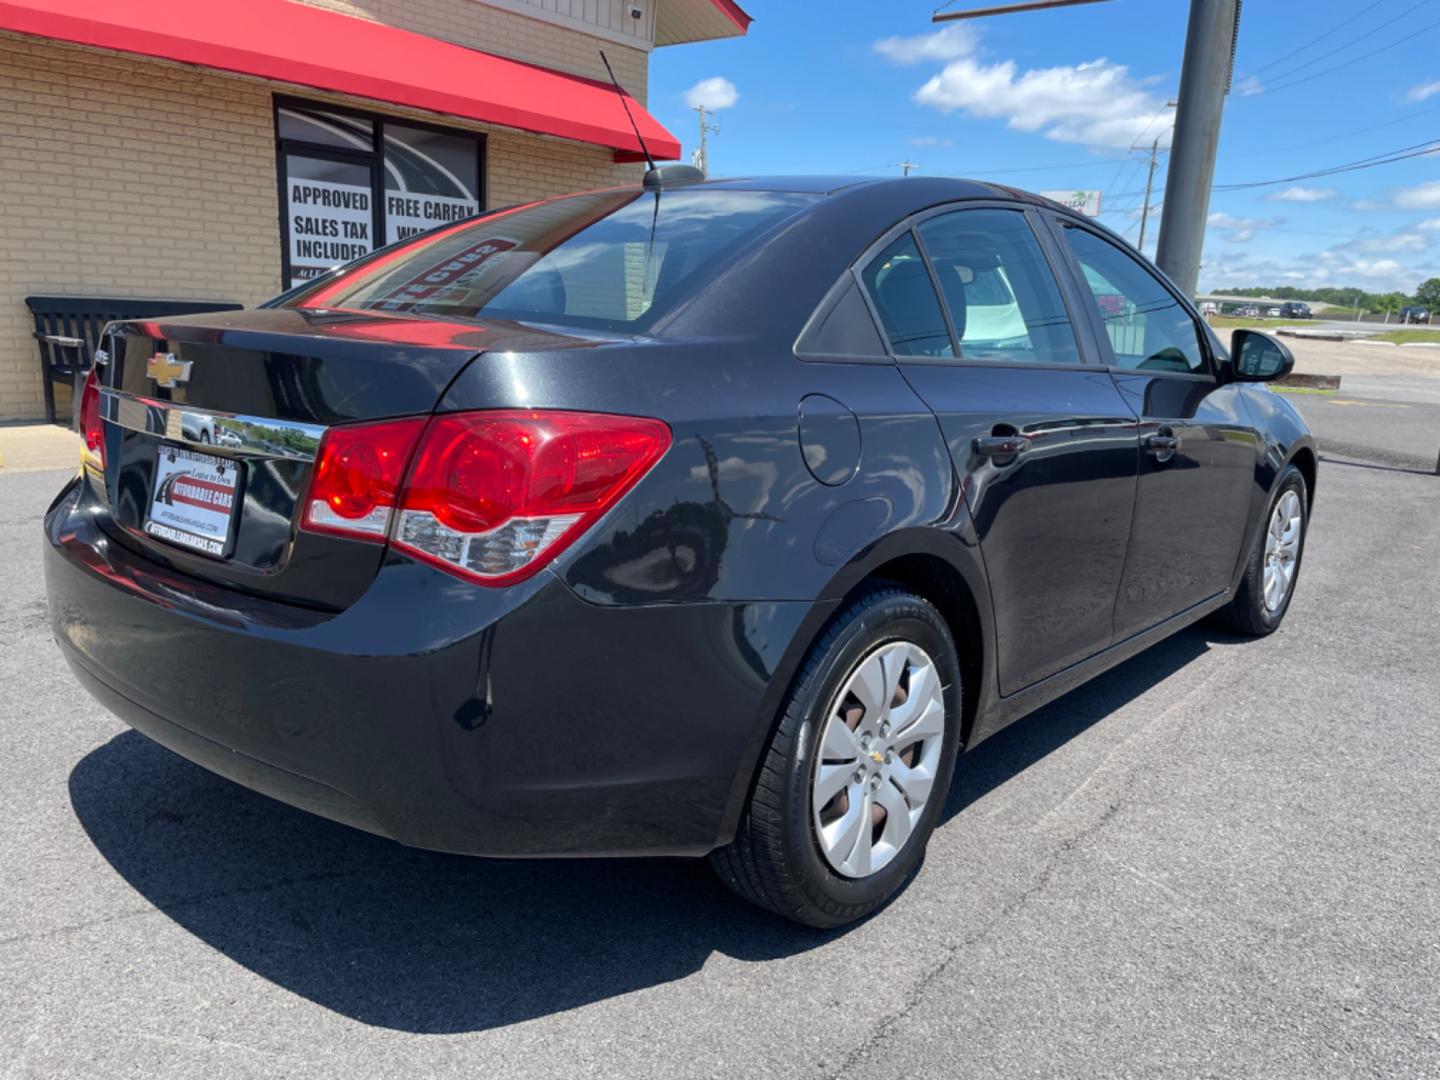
(214, 422)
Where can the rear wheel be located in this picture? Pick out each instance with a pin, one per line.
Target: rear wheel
(858, 769)
(1266, 588)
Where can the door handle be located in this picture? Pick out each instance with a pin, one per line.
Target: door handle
(1161, 444)
(1001, 445)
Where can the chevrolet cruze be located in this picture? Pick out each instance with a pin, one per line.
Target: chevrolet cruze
(686, 519)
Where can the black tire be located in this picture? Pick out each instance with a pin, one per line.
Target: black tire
(775, 860)
(1247, 613)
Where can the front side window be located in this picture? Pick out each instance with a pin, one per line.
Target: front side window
(607, 260)
(1147, 328)
(1003, 299)
(900, 285)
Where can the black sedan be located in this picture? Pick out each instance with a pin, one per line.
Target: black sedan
(686, 519)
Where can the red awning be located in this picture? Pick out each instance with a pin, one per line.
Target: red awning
(294, 43)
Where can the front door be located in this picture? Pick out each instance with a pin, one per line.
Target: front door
(1197, 445)
(1045, 445)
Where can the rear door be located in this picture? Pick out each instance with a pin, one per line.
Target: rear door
(1044, 444)
(1197, 443)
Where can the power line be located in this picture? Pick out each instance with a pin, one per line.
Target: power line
(1388, 158)
(1316, 40)
(1351, 42)
(1352, 62)
(1407, 118)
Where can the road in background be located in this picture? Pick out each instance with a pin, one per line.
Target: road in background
(1218, 859)
(1387, 410)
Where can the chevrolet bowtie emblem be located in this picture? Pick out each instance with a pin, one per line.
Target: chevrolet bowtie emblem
(166, 370)
(877, 757)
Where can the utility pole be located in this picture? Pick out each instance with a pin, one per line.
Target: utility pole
(1204, 83)
(1149, 185)
(905, 166)
(706, 128)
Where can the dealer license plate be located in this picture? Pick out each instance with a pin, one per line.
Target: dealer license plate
(194, 501)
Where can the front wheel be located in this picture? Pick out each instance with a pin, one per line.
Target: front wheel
(1268, 584)
(858, 769)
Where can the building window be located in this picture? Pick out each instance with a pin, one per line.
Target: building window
(351, 182)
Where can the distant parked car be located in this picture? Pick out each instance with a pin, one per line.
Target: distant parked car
(1249, 311)
(1209, 308)
(1414, 315)
(1293, 309)
(1273, 313)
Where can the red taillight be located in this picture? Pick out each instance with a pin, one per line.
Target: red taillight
(357, 477)
(492, 496)
(92, 427)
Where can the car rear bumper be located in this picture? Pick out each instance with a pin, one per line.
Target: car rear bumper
(521, 721)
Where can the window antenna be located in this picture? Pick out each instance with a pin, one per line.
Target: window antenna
(656, 177)
(624, 101)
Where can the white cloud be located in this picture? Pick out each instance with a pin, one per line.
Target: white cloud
(1386, 269)
(1237, 269)
(1421, 91)
(1240, 230)
(1424, 196)
(931, 140)
(1097, 104)
(714, 93)
(1305, 195)
(1249, 86)
(1429, 225)
(949, 43)
(1403, 241)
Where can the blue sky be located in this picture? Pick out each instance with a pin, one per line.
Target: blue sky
(1053, 100)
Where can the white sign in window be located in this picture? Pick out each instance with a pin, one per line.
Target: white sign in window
(353, 182)
(330, 215)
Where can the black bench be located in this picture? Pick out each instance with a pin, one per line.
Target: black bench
(68, 329)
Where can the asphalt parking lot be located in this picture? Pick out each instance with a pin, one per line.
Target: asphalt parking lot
(1219, 859)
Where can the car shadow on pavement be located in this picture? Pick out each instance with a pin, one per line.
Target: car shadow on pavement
(431, 943)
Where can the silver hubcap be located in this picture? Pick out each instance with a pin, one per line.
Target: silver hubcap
(1282, 550)
(878, 751)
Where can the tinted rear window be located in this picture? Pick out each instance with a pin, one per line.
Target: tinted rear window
(610, 260)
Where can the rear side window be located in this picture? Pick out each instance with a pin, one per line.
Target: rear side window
(608, 260)
(1147, 327)
(899, 283)
(1003, 299)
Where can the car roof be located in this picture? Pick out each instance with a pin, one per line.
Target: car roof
(821, 184)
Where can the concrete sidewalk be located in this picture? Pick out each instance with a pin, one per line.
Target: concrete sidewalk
(27, 447)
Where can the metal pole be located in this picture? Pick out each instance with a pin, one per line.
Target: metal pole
(1007, 9)
(1149, 184)
(1203, 84)
(704, 130)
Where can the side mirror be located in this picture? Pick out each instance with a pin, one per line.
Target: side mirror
(1258, 357)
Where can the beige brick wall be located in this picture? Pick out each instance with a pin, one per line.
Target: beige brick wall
(479, 26)
(131, 177)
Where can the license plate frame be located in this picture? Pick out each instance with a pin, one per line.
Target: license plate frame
(194, 501)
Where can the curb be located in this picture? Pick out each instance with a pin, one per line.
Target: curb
(1304, 336)
(1314, 382)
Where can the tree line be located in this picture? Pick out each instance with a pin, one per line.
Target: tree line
(1427, 295)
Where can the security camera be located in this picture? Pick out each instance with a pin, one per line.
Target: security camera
(635, 11)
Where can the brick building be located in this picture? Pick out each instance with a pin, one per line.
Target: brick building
(224, 150)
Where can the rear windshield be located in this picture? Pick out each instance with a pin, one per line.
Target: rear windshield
(609, 260)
